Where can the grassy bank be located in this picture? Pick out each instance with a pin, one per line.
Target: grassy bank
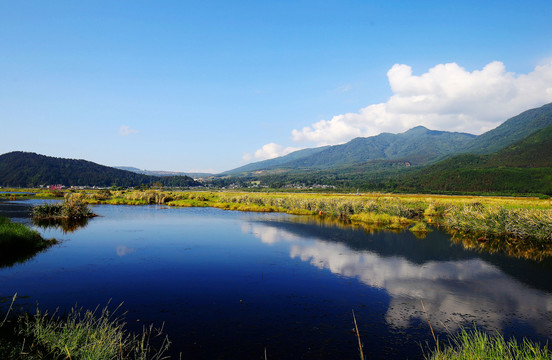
(18, 242)
(81, 334)
(22, 194)
(519, 219)
(476, 344)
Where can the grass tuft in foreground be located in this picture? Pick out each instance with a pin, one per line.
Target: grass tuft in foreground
(476, 344)
(97, 335)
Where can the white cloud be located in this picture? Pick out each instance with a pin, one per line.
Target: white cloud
(269, 151)
(447, 97)
(125, 130)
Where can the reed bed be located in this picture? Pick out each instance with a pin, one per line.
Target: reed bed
(72, 208)
(476, 344)
(507, 217)
(493, 221)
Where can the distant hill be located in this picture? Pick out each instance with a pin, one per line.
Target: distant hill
(30, 169)
(162, 173)
(416, 146)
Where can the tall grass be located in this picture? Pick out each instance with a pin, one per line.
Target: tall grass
(72, 208)
(81, 334)
(500, 221)
(476, 344)
(511, 218)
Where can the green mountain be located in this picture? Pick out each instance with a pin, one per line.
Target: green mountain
(30, 169)
(416, 146)
(511, 131)
(271, 164)
(523, 167)
(513, 158)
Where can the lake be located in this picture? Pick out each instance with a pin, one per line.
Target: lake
(228, 285)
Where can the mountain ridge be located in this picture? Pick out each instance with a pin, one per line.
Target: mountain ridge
(418, 145)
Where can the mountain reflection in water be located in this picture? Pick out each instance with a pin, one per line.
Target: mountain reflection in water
(457, 287)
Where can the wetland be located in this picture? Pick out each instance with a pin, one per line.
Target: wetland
(231, 284)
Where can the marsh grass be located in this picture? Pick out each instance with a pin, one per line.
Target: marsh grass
(500, 221)
(476, 344)
(80, 334)
(15, 235)
(526, 219)
(71, 208)
(19, 243)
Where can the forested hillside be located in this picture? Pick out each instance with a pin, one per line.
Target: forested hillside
(30, 169)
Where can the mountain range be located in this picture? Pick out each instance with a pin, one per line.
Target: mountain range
(515, 157)
(417, 146)
(512, 158)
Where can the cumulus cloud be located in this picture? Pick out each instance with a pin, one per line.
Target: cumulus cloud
(447, 97)
(125, 130)
(269, 151)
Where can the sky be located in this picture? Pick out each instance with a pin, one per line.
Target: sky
(207, 86)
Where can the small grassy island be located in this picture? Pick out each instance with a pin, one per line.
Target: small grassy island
(72, 208)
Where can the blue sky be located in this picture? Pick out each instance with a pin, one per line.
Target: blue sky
(212, 85)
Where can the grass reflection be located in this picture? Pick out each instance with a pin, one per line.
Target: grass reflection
(527, 249)
(65, 225)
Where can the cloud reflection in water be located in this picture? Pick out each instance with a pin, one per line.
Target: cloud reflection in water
(123, 250)
(453, 292)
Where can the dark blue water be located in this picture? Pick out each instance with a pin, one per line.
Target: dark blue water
(227, 285)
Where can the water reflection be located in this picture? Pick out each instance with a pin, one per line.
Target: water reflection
(65, 225)
(12, 254)
(124, 250)
(456, 287)
(528, 249)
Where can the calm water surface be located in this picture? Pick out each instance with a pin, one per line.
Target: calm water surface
(227, 285)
